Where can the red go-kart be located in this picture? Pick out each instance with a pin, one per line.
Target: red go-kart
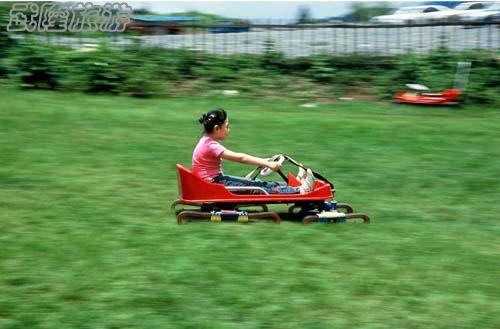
(216, 202)
(447, 97)
(420, 94)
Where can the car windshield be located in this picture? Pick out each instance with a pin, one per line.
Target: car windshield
(463, 6)
(408, 10)
(495, 6)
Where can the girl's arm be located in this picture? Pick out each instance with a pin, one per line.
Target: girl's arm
(249, 159)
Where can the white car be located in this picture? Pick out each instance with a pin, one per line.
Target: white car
(490, 14)
(410, 15)
(464, 8)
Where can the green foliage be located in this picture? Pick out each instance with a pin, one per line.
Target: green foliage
(5, 41)
(408, 70)
(361, 62)
(484, 79)
(221, 74)
(35, 65)
(74, 68)
(344, 70)
(186, 62)
(166, 67)
(321, 71)
(225, 69)
(362, 13)
(441, 59)
(304, 15)
(272, 59)
(296, 64)
(148, 72)
(106, 71)
(141, 83)
(215, 70)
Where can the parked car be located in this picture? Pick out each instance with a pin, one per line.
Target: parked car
(410, 15)
(490, 14)
(453, 15)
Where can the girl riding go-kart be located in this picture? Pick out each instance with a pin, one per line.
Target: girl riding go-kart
(220, 196)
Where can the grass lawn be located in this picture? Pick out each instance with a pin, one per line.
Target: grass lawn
(88, 240)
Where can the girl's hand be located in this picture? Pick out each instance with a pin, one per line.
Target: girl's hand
(274, 166)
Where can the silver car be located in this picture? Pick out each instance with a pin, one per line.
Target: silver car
(490, 14)
(464, 8)
(410, 15)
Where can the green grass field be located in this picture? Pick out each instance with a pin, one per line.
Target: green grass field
(88, 240)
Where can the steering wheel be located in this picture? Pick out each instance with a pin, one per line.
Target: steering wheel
(277, 158)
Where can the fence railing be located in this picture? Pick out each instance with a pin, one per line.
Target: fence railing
(305, 40)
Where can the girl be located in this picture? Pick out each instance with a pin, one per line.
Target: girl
(208, 154)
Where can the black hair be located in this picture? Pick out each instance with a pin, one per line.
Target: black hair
(213, 118)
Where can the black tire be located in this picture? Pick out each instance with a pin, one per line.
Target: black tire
(310, 219)
(183, 215)
(364, 217)
(345, 206)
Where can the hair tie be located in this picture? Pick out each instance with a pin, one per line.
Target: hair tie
(203, 119)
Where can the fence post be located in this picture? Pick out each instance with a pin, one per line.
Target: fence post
(355, 38)
(334, 42)
(224, 41)
(489, 36)
(478, 44)
(409, 40)
(365, 40)
(387, 40)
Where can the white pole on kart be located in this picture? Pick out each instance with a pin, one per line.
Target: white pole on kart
(462, 76)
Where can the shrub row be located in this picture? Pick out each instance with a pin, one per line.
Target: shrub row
(144, 72)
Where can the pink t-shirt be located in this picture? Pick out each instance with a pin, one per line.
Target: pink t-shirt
(207, 158)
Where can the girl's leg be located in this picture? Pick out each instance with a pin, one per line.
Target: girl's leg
(269, 187)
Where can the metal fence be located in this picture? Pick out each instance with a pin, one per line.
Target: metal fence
(305, 40)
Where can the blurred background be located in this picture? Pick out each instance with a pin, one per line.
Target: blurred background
(92, 124)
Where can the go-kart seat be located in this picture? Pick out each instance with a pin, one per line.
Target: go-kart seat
(192, 187)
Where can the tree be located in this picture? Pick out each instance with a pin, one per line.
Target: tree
(143, 11)
(362, 13)
(5, 41)
(304, 15)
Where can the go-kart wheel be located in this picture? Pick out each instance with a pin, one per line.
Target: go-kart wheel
(184, 216)
(277, 158)
(350, 217)
(175, 203)
(303, 208)
(364, 217)
(345, 206)
(310, 219)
